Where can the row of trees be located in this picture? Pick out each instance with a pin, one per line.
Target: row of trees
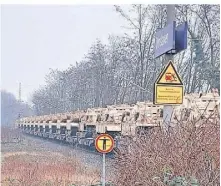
(124, 70)
(12, 108)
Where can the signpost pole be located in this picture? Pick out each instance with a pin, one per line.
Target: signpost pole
(167, 109)
(168, 87)
(103, 180)
(104, 143)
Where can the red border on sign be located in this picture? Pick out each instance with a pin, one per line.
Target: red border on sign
(104, 151)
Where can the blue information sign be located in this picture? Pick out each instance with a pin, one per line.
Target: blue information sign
(165, 39)
(181, 37)
(171, 39)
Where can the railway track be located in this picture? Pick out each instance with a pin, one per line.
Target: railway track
(74, 146)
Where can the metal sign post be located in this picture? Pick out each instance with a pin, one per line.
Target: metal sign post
(168, 109)
(103, 180)
(104, 143)
(168, 88)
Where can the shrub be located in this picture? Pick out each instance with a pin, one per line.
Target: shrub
(187, 155)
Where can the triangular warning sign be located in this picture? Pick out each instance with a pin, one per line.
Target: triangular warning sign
(169, 75)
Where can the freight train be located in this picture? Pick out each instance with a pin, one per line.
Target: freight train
(82, 127)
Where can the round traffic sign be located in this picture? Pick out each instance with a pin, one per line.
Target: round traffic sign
(104, 143)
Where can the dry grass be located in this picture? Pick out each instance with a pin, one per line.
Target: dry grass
(189, 152)
(25, 163)
(35, 169)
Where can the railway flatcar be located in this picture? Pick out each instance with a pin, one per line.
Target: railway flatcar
(82, 127)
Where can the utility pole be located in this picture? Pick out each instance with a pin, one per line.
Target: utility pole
(168, 109)
(19, 100)
(61, 87)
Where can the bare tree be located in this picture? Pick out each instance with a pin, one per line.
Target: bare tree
(124, 70)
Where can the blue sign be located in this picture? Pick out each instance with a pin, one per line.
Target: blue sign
(181, 37)
(165, 39)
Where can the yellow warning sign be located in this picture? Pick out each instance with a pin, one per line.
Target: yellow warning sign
(104, 143)
(170, 95)
(169, 76)
(168, 88)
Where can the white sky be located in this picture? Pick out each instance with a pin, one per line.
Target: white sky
(35, 38)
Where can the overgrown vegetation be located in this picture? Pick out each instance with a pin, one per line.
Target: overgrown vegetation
(45, 169)
(25, 162)
(188, 155)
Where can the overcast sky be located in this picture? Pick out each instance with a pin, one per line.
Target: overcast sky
(35, 38)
